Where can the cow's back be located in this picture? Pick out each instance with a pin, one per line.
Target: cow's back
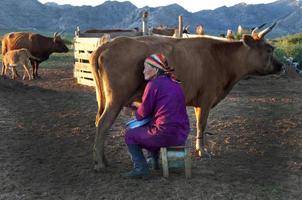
(16, 40)
(192, 60)
(130, 54)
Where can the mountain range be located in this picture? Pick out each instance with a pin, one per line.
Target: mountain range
(33, 15)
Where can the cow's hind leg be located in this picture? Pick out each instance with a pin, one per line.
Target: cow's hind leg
(14, 70)
(102, 125)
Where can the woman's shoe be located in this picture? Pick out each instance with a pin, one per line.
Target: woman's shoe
(137, 173)
(140, 166)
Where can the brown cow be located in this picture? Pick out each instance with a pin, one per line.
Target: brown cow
(38, 45)
(18, 57)
(207, 67)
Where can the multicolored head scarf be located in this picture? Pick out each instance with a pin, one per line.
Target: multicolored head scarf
(159, 61)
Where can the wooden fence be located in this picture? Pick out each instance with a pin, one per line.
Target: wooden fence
(84, 44)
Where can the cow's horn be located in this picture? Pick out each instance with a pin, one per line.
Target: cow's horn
(55, 34)
(254, 30)
(255, 34)
(262, 25)
(61, 33)
(267, 30)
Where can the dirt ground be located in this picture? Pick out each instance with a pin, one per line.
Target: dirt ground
(47, 132)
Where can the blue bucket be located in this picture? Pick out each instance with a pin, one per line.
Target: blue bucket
(138, 123)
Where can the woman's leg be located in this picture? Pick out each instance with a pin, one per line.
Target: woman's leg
(140, 166)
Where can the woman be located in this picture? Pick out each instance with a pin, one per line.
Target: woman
(163, 101)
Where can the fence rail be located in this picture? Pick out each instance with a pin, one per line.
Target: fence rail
(84, 45)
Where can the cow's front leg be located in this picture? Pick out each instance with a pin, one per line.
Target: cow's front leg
(201, 122)
(34, 65)
(26, 72)
(36, 70)
(102, 126)
(199, 139)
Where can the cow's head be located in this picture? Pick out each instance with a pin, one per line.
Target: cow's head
(59, 45)
(260, 53)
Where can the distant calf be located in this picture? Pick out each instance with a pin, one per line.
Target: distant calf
(14, 58)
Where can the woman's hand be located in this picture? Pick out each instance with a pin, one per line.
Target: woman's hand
(130, 110)
(135, 104)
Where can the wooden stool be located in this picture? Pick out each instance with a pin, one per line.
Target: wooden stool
(170, 155)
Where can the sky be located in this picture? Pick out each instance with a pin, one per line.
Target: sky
(190, 5)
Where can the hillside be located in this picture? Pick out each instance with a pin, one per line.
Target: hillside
(32, 15)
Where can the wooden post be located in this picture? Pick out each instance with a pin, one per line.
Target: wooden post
(77, 32)
(164, 159)
(188, 163)
(145, 23)
(180, 25)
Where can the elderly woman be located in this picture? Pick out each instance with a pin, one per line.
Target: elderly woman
(164, 102)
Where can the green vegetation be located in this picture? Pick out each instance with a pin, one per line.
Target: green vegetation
(289, 46)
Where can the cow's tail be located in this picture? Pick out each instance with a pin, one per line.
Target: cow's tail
(4, 45)
(98, 71)
(29, 55)
(4, 50)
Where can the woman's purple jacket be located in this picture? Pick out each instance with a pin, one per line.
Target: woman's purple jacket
(164, 101)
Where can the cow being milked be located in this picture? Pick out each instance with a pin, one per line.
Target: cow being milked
(208, 68)
(38, 45)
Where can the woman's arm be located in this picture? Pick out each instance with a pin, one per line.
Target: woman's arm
(146, 108)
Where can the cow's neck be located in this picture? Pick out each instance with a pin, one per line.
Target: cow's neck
(233, 69)
(46, 49)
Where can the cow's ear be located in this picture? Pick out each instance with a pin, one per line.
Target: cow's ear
(249, 41)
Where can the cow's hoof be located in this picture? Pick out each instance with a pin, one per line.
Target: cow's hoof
(203, 153)
(198, 153)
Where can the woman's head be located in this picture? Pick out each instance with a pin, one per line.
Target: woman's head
(150, 72)
(154, 65)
